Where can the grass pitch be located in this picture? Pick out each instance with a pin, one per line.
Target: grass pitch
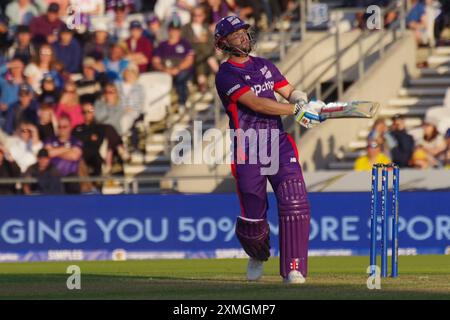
(421, 277)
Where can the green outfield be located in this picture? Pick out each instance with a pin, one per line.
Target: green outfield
(421, 277)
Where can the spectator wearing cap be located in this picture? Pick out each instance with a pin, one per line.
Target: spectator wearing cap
(139, 47)
(166, 9)
(444, 156)
(66, 153)
(98, 46)
(402, 152)
(69, 105)
(45, 28)
(50, 92)
(24, 145)
(116, 62)
(374, 155)
(199, 35)
(109, 109)
(175, 57)
(89, 87)
(132, 96)
(8, 170)
(120, 27)
(21, 12)
(68, 50)
(111, 5)
(23, 110)
(153, 30)
(48, 177)
(22, 47)
(10, 80)
(47, 122)
(63, 5)
(44, 62)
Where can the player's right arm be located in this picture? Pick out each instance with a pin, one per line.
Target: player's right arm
(265, 105)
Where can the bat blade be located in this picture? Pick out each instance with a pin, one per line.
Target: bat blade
(353, 109)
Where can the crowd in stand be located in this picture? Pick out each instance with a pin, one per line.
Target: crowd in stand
(69, 70)
(428, 149)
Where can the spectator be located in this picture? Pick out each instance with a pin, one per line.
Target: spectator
(444, 156)
(8, 170)
(420, 159)
(21, 12)
(45, 28)
(379, 129)
(416, 20)
(24, 145)
(201, 38)
(65, 152)
(48, 177)
(47, 122)
(116, 63)
(23, 110)
(132, 97)
(111, 5)
(443, 19)
(374, 155)
(5, 39)
(154, 32)
(432, 142)
(91, 136)
(9, 85)
(44, 63)
(68, 50)
(167, 9)
(69, 105)
(139, 47)
(109, 109)
(402, 153)
(248, 10)
(176, 57)
(89, 88)
(63, 5)
(22, 47)
(98, 46)
(50, 93)
(218, 9)
(120, 31)
(87, 9)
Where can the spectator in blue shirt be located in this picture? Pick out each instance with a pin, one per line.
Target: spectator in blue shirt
(23, 110)
(68, 51)
(416, 21)
(116, 63)
(11, 77)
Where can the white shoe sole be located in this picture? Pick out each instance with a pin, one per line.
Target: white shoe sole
(294, 277)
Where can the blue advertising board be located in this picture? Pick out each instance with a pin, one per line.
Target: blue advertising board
(100, 227)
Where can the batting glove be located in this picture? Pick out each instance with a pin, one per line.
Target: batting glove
(307, 114)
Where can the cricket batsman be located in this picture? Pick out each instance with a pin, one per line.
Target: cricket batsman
(247, 86)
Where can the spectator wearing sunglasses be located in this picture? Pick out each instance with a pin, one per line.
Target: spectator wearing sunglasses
(374, 155)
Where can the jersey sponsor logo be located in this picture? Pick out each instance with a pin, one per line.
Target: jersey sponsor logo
(179, 49)
(266, 72)
(268, 75)
(267, 86)
(247, 77)
(233, 89)
(293, 160)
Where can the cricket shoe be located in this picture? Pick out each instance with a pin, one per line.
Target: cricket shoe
(294, 277)
(255, 269)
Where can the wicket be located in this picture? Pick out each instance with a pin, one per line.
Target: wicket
(384, 218)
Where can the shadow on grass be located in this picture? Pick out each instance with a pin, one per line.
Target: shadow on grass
(53, 286)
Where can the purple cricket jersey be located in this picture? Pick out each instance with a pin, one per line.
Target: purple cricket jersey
(65, 167)
(173, 54)
(257, 74)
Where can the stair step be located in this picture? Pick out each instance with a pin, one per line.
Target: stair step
(436, 60)
(444, 81)
(155, 148)
(157, 137)
(350, 155)
(443, 51)
(414, 102)
(403, 92)
(157, 158)
(341, 165)
(357, 144)
(415, 111)
(439, 71)
(132, 170)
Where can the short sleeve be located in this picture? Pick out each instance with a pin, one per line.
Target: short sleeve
(279, 80)
(230, 85)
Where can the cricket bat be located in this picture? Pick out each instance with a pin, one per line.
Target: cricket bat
(352, 109)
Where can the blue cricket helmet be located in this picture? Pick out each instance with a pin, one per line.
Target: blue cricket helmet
(229, 25)
(225, 27)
